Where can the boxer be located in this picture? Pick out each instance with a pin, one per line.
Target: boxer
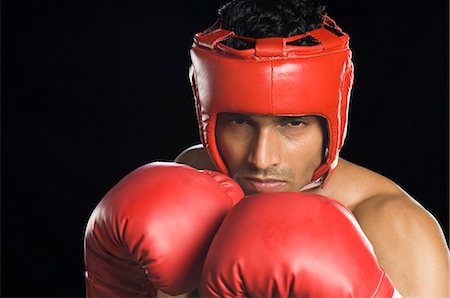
(272, 107)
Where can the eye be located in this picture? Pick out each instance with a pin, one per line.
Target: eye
(294, 122)
(239, 121)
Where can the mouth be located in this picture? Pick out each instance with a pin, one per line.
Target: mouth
(264, 184)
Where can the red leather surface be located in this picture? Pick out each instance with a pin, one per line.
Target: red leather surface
(292, 245)
(152, 230)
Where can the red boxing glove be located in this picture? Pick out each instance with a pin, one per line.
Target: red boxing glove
(153, 229)
(292, 245)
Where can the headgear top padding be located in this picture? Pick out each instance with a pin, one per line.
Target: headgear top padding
(274, 78)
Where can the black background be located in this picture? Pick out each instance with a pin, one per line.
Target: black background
(92, 90)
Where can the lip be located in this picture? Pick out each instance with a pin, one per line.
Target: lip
(265, 185)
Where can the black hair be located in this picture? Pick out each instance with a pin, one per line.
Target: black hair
(271, 18)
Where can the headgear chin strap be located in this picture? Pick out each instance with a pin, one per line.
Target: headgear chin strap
(274, 78)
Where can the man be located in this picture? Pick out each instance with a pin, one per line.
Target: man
(272, 82)
(270, 153)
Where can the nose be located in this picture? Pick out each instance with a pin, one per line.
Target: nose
(264, 152)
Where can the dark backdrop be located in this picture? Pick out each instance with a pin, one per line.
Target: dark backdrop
(92, 90)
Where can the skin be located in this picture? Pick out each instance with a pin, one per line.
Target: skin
(271, 153)
(274, 153)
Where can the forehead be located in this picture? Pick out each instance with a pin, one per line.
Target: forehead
(259, 117)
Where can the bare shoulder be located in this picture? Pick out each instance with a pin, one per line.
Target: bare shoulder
(395, 219)
(407, 239)
(196, 157)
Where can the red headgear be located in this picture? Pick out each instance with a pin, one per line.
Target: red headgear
(274, 78)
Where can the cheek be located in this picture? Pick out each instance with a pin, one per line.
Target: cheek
(230, 149)
(305, 153)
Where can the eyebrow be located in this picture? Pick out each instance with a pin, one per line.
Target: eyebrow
(277, 118)
(249, 116)
(291, 117)
(237, 115)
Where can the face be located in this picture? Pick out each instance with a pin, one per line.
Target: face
(270, 153)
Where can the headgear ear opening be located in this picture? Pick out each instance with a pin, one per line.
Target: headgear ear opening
(274, 77)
